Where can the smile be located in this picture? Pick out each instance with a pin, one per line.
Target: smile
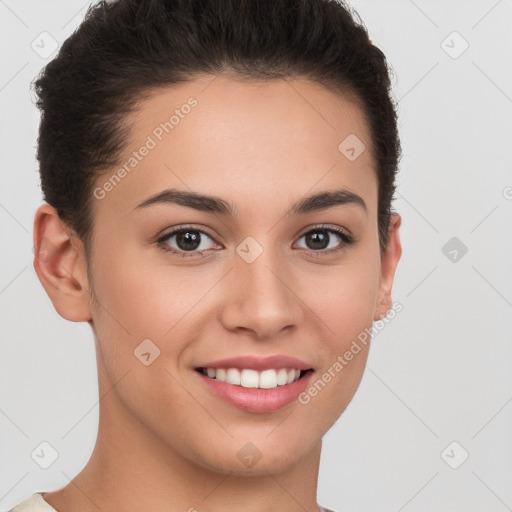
(248, 378)
(255, 391)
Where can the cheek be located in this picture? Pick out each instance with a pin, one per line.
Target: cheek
(346, 308)
(144, 299)
(344, 300)
(345, 295)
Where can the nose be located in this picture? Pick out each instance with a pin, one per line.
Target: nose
(261, 298)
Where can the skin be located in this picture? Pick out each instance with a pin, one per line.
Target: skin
(164, 442)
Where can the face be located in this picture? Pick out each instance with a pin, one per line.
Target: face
(262, 280)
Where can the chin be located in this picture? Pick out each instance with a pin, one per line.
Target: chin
(248, 460)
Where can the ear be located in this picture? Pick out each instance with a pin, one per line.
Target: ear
(61, 266)
(389, 262)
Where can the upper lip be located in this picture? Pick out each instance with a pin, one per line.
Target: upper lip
(258, 363)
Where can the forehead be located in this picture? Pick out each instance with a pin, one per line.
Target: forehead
(275, 140)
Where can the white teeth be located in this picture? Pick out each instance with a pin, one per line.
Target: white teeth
(282, 377)
(266, 379)
(291, 376)
(249, 379)
(233, 376)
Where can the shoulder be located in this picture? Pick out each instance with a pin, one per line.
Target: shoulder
(34, 503)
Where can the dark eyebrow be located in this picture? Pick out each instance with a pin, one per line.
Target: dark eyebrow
(213, 204)
(327, 199)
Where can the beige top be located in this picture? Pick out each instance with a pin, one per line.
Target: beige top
(36, 503)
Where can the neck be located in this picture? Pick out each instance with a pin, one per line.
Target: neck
(131, 468)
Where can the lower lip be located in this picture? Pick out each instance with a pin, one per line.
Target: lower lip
(257, 399)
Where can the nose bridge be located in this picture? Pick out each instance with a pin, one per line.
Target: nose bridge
(262, 275)
(261, 298)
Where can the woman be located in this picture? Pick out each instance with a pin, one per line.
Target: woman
(218, 178)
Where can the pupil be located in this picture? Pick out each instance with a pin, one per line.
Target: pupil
(319, 239)
(188, 237)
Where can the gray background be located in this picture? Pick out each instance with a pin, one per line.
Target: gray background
(438, 373)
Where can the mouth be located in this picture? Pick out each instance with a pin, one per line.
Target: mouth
(265, 391)
(249, 378)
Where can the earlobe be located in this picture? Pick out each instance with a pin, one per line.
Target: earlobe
(389, 262)
(60, 264)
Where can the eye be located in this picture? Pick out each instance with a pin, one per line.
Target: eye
(187, 239)
(192, 242)
(319, 239)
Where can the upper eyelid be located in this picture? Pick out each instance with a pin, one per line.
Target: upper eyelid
(174, 231)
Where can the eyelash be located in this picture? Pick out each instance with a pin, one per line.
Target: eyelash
(347, 240)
